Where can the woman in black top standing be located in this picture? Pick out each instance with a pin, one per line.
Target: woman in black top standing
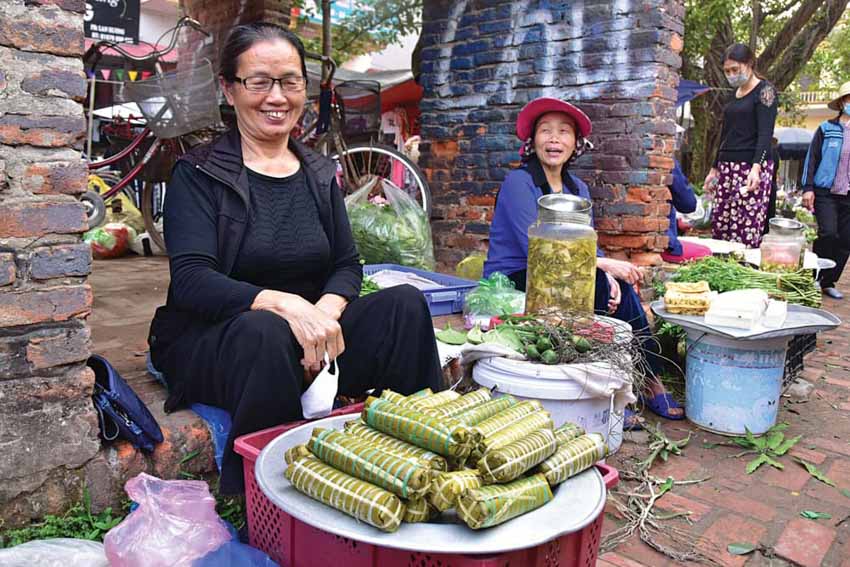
(265, 275)
(743, 171)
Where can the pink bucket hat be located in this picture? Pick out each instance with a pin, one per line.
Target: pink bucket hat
(538, 107)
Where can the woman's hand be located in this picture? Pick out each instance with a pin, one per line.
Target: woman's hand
(620, 269)
(615, 294)
(753, 178)
(809, 200)
(316, 331)
(333, 305)
(711, 181)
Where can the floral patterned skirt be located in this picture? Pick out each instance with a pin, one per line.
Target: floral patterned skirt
(738, 217)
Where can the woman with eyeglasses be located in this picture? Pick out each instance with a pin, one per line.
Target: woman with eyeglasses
(265, 275)
(742, 175)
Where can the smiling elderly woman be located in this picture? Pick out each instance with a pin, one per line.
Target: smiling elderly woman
(265, 275)
(554, 133)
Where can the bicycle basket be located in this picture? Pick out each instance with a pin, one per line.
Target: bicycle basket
(360, 102)
(177, 102)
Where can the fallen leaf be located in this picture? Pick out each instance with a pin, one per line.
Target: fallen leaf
(813, 470)
(741, 548)
(812, 515)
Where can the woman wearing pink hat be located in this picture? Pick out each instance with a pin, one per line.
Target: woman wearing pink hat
(554, 133)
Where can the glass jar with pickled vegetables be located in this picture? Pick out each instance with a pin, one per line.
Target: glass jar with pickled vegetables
(561, 256)
(783, 247)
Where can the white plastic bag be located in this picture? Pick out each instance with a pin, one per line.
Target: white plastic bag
(175, 524)
(58, 552)
(318, 400)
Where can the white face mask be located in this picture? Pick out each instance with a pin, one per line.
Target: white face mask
(846, 108)
(738, 80)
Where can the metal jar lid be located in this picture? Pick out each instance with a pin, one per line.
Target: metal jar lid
(786, 227)
(559, 207)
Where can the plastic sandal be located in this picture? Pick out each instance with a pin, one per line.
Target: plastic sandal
(660, 404)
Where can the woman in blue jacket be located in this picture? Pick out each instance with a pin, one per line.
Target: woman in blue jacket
(826, 180)
(554, 133)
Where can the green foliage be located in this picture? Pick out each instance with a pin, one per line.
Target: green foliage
(373, 26)
(767, 448)
(231, 509)
(78, 522)
(830, 64)
(815, 472)
(812, 515)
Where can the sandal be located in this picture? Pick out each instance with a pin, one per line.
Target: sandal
(660, 404)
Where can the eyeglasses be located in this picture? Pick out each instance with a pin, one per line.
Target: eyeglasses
(261, 84)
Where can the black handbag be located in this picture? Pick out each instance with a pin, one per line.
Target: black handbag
(121, 412)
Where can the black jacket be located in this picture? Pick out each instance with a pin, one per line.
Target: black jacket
(207, 211)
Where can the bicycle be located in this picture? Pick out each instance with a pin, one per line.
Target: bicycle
(360, 164)
(169, 104)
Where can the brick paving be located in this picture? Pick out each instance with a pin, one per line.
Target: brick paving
(764, 508)
(732, 507)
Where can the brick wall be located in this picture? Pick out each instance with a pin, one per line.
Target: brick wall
(47, 423)
(219, 16)
(617, 59)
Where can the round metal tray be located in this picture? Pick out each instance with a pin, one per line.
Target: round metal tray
(576, 504)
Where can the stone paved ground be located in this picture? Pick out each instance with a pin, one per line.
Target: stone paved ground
(730, 507)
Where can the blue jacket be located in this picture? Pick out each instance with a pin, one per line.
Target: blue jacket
(822, 159)
(683, 200)
(516, 210)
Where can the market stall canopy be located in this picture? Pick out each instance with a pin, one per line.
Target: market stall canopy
(793, 142)
(689, 90)
(137, 50)
(397, 86)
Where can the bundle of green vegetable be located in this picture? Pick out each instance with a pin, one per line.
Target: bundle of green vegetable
(369, 286)
(728, 275)
(394, 233)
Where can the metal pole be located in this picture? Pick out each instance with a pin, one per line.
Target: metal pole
(326, 36)
(93, 80)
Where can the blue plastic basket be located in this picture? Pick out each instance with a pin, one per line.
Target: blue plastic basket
(443, 300)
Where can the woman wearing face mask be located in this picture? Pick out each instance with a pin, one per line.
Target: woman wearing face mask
(743, 171)
(826, 180)
(554, 133)
(265, 276)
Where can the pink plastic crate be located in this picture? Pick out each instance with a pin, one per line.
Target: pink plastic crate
(293, 543)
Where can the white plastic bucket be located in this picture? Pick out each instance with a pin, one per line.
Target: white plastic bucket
(733, 385)
(564, 398)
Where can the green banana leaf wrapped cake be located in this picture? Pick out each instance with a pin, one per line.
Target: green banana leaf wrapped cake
(511, 461)
(395, 446)
(295, 452)
(369, 462)
(392, 396)
(444, 436)
(352, 496)
(517, 430)
(430, 401)
(573, 457)
(418, 510)
(568, 432)
(497, 503)
(447, 486)
(461, 404)
(484, 411)
(508, 417)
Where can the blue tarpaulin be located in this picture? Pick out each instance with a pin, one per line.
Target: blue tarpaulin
(689, 90)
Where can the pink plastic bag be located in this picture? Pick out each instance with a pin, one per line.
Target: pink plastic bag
(175, 524)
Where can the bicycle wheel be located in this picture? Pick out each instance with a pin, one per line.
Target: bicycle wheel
(370, 160)
(153, 196)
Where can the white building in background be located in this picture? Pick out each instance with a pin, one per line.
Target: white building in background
(157, 17)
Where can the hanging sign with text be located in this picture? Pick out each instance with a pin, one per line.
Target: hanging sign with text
(112, 20)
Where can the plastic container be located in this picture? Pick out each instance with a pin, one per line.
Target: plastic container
(443, 300)
(783, 248)
(733, 385)
(566, 400)
(293, 543)
(561, 256)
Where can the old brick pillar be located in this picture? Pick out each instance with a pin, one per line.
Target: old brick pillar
(219, 16)
(47, 423)
(617, 59)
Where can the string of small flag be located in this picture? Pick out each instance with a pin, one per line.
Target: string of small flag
(121, 75)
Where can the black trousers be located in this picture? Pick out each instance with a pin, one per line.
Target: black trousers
(249, 364)
(833, 215)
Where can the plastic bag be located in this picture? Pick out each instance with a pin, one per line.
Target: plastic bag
(175, 524)
(111, 240)
(394, 230)
(495, 296)
(471, 267)
(235, 554)
(122, 209)
(58, 552)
